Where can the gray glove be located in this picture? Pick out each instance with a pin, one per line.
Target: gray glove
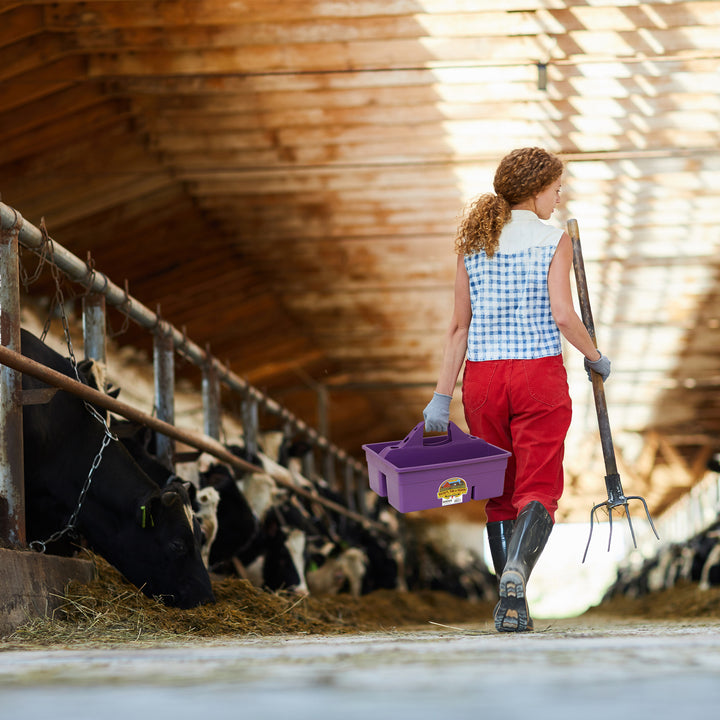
(437, 413)
(600, 366)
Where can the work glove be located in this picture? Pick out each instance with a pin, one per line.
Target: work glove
(437, 413)
(600, 366)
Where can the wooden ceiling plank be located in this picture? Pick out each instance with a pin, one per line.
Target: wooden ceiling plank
(132, 218)
(284, 179)
(235, 115)
(31, 53)
(358, 8)
(311, 19)
(372, 55)
(654, 175)
(249, 30)
(171, 13)
(41, 82)
(62, 132)
(60, 174)
(90, 199)
(483, 73)
(433, 149)
(20, 23)
(50, 108)
(628, 17)
(311, 57)
(700, 125)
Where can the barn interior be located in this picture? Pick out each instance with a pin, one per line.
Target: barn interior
(284, 181)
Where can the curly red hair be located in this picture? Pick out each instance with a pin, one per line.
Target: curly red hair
(521, 174)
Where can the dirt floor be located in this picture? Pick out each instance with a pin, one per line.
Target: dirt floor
(110, 610)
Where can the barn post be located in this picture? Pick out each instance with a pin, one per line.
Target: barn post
(250, 422)
(350, 485)
(330, 468)
(360, 495)
(94, 328)
(164, 366)
(211, 398)
(323, 397)
(12, 486)
(308, 464)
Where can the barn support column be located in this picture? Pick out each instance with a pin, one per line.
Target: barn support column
(308, 464)
(211, 398)
(361, 504)
(250, 426)
(350, 485)
(330, 469)
(324, 429)
(164, 366)
(94, 328)
(12, 487)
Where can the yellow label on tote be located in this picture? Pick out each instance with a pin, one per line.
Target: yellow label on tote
(452, 490)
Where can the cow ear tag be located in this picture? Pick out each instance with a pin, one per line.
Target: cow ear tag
(146, 519)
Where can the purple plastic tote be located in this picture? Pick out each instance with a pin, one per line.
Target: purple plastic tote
(419, 473)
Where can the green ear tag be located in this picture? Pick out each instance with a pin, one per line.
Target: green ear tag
(145, 516)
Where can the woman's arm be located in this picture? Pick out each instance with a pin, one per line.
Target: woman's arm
(561, 304)
(457, 334)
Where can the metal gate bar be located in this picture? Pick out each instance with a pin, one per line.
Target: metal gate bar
(23, 364)
(31, 237)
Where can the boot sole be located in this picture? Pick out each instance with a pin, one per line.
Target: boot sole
(511, 613)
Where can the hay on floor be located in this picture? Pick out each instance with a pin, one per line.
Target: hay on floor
(110, 610)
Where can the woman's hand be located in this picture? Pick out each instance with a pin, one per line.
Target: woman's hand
(600, 366)
(437, 413)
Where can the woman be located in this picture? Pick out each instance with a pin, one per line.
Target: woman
(512, 302)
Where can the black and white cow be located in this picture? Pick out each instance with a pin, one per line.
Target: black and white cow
(237, 524)
(144, 530)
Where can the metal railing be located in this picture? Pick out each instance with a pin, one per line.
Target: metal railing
(14, 231)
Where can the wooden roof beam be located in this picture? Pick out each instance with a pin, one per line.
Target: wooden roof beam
(77, 126)
(358, 8)
(438, 149)
(20, 90)
(315, 19)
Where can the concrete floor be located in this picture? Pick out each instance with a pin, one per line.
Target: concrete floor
(566, 669)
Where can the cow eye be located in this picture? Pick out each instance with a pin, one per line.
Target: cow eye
(177, 547)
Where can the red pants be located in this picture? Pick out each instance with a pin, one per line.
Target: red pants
(522, 406)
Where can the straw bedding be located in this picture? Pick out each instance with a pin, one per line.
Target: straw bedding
(110, 610)
(683, 601)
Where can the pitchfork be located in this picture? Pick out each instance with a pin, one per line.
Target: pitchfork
(616, 496)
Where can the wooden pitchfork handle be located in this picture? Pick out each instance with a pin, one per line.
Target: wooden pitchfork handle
(597, 381)
(616, 496)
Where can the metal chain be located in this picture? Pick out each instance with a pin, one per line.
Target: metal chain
(58, 301)
(124, 308)
(69, 529)
(42, 253)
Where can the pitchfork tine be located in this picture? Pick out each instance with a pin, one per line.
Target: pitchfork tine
(587, 547)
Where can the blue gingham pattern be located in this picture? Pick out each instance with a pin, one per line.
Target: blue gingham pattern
(511, 316)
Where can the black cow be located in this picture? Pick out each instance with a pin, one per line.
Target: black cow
(145, 531)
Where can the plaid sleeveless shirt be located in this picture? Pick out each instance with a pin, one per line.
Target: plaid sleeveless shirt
(511, 317)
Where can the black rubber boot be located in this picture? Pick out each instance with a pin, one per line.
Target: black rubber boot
(530, 534)
(499, 533)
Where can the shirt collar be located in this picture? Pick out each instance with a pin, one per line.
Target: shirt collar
(523, 215)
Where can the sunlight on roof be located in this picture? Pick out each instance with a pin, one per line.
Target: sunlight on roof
(637, 123)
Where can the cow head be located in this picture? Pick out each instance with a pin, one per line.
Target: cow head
(156, 548)
(166, 562)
